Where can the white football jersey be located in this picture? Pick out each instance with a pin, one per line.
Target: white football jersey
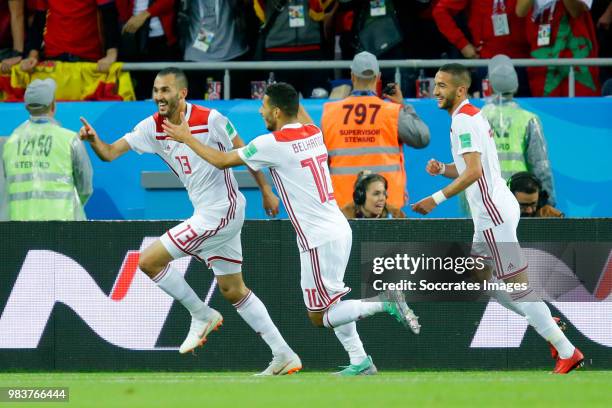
(214, 193)
(489, 197)
(297, 158)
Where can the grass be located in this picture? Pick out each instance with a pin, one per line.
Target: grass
(319, 390)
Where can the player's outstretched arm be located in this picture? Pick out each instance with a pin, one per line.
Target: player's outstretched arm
(106, 152)
(451, 171)
(182, 134)
(270, 200)
(473, 171)
(435, 167)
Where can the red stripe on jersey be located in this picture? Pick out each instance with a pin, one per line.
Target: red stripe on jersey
(171, 168)
(192, 131)
(469, 110)
(495, 210)
(293, 134)
(296, 225)
(198, 117)
(486, 203)
(231, 191)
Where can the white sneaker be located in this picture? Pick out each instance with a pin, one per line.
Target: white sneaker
(199, 330)
(283, 364)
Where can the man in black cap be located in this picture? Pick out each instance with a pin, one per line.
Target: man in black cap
(47, 170)
(364, 132)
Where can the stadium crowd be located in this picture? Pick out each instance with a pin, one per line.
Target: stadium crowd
(107, 31)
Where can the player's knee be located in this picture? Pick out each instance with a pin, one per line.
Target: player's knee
(148, 264)
(481, 271)
(316, 318)
(234, 293)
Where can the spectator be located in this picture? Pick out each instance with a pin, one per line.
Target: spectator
(149, 30)
(606, 89)
(387, 29)
(370, 199)
(148, 34)
(12, 33)
(532, 199)
(48, 173)
(216, 31)
(363, 132)
(601, 13)
(519, 137)
(292, 30)
(560, 29)
(71, 32)
(494, 29)
(416, 18)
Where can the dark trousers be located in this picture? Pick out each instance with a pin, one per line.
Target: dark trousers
(157, 50)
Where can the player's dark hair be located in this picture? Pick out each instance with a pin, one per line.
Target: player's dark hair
(285, 97)
(460, 73)
(179, 74)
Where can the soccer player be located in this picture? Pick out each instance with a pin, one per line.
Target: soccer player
(494, 209)
(212, 234)
(297, 158)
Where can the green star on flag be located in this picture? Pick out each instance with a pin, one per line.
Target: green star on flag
(579, 47)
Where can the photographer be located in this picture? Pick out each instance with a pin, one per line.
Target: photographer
(532, 199)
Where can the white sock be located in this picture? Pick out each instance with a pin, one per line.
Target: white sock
(348, 336)
(504, 299)
(253, 311)
(347, 311)
(175, 285)
(539, 317)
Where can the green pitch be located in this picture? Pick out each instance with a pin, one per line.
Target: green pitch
(321, 390)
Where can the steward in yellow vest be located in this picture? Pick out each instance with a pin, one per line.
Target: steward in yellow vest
(364, 132)
(47, 169)
(518, 133)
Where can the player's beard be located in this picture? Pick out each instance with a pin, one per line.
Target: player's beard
(270, 123)
(171, 107)
(449, 100)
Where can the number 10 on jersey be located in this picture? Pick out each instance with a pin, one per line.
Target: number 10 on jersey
(318, 173)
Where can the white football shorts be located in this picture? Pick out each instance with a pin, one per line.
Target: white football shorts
(500, 247)
(213, 242)
(323, 271)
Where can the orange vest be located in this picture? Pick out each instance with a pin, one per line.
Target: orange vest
(361, 132)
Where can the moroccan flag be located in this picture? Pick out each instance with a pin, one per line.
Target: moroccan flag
(76, 81)
(570, 38)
